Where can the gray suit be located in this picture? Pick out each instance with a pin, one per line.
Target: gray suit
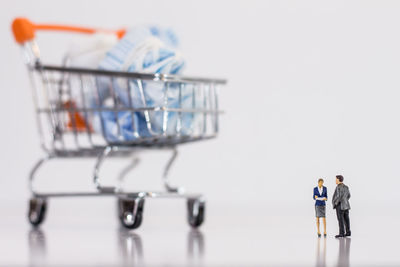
(341, 196)
(340, 202)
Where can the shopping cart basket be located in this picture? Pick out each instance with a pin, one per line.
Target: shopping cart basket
(66, 122)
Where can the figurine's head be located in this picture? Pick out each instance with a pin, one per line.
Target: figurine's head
(339, 179)
(320, 182)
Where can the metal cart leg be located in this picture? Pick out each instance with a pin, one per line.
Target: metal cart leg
(130, 206)
(33, 171)
(105, 189)
(195, 205)
(121, 177)
(37, 204)
(165, 178)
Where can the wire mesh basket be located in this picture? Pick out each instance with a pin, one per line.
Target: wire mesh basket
(84, 109)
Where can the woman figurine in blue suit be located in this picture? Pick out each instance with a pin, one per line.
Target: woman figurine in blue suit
(321, 196)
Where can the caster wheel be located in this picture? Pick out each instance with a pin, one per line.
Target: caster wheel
(195, 212)
(37, 210)
(127, 215)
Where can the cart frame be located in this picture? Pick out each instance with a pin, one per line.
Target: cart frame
(52, 139)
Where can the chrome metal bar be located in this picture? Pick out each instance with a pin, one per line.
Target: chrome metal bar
(211, 103)
(85, 112)
(51, 116)
(138, 194)
(165, 112)
(96, 171)
(115, 106)
(33, 171)
(158, 109)
(31, 54)
(72, 110)
(132, 75)
(36, 107)
(179, 121)
(59, 113)
(216, 97)
(205, 108)
(99, 104)
(165, 177)
(157, 142)
(131, 108)
(193, 117)
(125, 171)
(146, 112)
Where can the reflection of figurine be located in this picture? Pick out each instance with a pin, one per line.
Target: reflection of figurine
(321, 196)
(340, 202)
(321, 255)
(344, 252)
(37, 247)
(131, 247)
(195, 245)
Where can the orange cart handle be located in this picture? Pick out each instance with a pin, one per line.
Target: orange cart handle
(24, 30)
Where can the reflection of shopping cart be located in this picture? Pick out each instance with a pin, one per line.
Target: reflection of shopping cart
(66, 122)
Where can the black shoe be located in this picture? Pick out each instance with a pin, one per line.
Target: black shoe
(324, 235)
(348, 234)
(339, 236)
(319, 235)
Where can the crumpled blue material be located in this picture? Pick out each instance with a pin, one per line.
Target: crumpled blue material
(146, 49)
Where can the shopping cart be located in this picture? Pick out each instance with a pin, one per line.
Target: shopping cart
(65, 123)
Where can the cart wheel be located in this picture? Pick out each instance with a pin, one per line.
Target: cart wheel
(37, 210)
(195, 212)
(127, 214)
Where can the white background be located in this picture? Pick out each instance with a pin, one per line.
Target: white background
(313, 92)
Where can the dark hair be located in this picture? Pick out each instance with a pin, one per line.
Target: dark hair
(340, 178)
(320, 180)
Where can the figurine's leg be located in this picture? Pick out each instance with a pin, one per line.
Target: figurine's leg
(319, 232)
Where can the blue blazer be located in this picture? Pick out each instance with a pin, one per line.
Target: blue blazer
(324, 194)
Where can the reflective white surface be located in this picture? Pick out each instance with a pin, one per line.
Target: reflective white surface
(73, 235)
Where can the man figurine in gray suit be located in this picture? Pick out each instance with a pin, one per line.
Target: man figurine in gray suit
(340, 202)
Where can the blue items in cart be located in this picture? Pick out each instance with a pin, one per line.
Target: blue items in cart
(145, 50)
